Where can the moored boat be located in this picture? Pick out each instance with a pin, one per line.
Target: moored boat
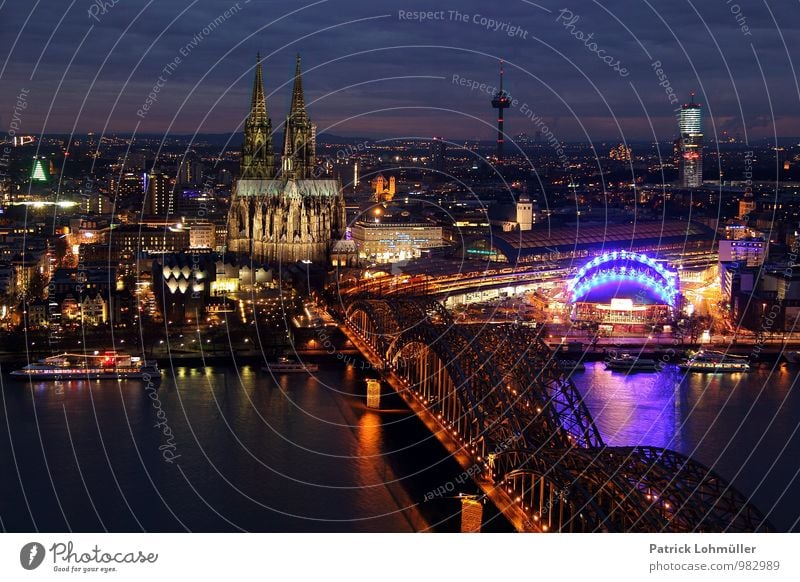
(715, 362)
(570, 366)
(285, 365)
(629, 363)
(109, 365)
(792, 356)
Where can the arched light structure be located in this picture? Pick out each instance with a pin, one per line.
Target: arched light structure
(622, 266)
(498, 394)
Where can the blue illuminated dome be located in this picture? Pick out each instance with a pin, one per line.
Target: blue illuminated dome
(622, 273)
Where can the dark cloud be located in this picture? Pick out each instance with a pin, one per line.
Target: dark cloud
(372, 73)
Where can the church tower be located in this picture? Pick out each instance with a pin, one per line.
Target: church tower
(291, 215)
(299, 142)
(258, 160)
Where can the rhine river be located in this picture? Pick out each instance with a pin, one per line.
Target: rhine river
(229, 448)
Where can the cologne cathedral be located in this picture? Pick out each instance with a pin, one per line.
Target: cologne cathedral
(286, 215)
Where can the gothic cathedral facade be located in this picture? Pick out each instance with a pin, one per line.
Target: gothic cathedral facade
(288, 214)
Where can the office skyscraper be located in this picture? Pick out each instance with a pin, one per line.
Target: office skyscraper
(437, 154)
(690, 125)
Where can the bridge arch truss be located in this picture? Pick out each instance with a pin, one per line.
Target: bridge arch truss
(500, 394)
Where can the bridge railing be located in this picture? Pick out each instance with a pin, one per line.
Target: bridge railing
(499, 392)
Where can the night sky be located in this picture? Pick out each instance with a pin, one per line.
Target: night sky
(373, 71)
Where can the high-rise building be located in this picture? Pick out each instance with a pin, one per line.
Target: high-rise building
(438, 155)
(286, 217)
(690, 126)
(159, 194)
(190, 172)
(129, 185)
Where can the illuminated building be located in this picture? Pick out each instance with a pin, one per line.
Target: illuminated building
(747, 204)
(690, 126)
(383, 190)
(293, 216)
(36, 314)
(160, 199)
(388, 236)
(39, 170)
(525, 216)
(128, 241)
(518, 216)
(190, 172)
(95, 203)
(93, 309)
(690, 244)
(344, 253)
(181, 283)
(748, 252)
(500, 101)
(623, 287)
(202, 235)
(187, 282)
(299, 135)
(621, 153)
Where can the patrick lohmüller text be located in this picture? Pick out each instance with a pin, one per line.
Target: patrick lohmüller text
(702, 549)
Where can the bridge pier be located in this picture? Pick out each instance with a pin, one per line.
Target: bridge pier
(497, 495)
(495, 398)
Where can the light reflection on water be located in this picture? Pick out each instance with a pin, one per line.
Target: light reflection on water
(745, 426)
(259, 452)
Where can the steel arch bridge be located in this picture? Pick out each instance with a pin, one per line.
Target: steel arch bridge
(498, 393)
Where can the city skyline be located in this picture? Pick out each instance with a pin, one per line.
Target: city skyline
(272, 267)
(371, 71)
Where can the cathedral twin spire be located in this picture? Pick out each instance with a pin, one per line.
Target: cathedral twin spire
(258, 160)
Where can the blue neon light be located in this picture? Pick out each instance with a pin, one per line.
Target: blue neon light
(654, 276)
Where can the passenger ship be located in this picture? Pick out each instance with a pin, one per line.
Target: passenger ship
(630, 363)
(106, 366)
(286, 365)
(715, 362)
